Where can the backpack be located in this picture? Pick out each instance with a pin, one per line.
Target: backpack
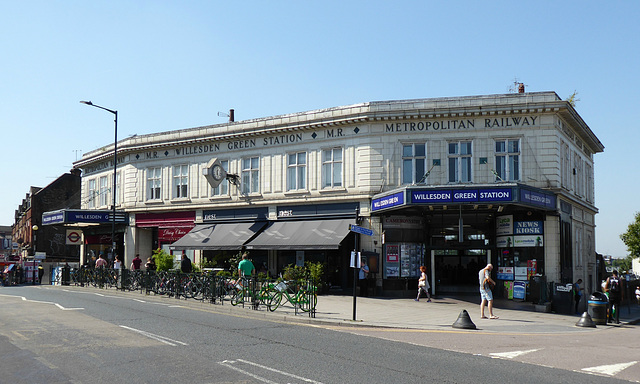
(614, 285)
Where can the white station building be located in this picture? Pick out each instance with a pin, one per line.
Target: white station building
(450, 183)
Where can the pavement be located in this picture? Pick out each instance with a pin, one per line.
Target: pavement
(439, 314)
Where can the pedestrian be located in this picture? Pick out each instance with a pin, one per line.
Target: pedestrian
(101, 262)
(185, 264)
(362, 278)
(486, 284)
(638, 294)
(577, 293)
(117, 264)
(135, 263)
(151, 264)
(245, 266)
(614, 287)
(423, 284)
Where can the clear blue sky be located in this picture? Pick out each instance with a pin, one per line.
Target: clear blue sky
(166, 65)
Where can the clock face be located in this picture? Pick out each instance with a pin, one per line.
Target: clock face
(217, 172)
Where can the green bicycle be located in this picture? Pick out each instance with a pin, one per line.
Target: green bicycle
(303, 297)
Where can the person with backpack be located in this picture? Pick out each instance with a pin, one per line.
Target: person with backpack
(613, 286)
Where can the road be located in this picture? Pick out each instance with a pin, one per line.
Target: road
(53, 335)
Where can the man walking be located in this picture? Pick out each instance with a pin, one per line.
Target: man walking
(486, 284)
(613, 286)
(245, 267)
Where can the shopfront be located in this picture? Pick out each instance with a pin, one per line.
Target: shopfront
(160, 230)
(455, 232)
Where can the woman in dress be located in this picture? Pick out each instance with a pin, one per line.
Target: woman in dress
(423, 284)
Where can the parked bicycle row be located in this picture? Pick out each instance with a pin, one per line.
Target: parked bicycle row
(272, 294)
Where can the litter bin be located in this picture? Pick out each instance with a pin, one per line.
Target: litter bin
(66, 275)
(597, 308)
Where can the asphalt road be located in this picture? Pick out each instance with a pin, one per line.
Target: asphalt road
(51, 335)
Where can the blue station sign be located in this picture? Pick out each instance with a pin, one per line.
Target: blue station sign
(390, 201)
(485, 195)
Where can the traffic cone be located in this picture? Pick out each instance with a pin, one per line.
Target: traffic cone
(464, 321)
(586, 321)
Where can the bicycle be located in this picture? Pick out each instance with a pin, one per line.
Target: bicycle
(304, 298)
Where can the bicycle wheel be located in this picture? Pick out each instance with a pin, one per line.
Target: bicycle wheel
(307, 300)
(237, 297)
(273, 301)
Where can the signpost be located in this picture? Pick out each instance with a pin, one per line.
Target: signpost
(356, 260)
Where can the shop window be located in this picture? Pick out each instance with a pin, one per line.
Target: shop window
(507, 160)
(413, 163)
(297, 171)
(332, 168)
(181, 181)
(104, 191)
(92, 193)
(251, 175)
(223, 188)
(460, 162)
(154, 183)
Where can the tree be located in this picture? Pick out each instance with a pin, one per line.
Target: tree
(631, 238)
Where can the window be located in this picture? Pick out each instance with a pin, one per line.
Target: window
(118, 189)
(508, 160)
(460, 162)
(154, 183)
(297, 171)
(104, 189)
(181, 181)
(332, 168)
(251, 175)
(92, 193)
(413, 163)
(223, 188)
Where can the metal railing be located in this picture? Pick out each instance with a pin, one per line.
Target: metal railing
(301, 295)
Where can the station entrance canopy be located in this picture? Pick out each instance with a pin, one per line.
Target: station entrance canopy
(80, 216)
(503, 194)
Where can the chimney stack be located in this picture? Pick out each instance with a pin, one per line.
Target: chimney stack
(521, 88)
(232, 117)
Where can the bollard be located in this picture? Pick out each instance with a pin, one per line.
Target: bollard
(464, 321)
(586, 321)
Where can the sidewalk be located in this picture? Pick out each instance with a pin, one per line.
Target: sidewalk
(442, 312)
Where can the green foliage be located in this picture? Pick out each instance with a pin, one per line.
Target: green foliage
(223, 274)
(311, 270)
(164, 261)
(573, 99)
(234, 261)
(631, 238)
(294, 272)
(315, 271)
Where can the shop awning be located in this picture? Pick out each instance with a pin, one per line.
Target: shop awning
(302, 235)
(230, 236)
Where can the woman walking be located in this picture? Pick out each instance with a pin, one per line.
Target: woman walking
(423, 284)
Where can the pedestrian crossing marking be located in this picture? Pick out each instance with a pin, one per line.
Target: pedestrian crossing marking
(611, 369)
(511, 355)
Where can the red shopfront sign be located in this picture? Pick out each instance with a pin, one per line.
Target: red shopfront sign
(172, 234)
(171, 225)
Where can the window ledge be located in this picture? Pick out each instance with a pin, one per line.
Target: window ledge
(333, 190)
(300, 192)
(154, 202)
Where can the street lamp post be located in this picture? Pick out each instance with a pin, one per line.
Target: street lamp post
(115, 167)
(33, 266)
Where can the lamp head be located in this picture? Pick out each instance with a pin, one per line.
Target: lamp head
(86, 102)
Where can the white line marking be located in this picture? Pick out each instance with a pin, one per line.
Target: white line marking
(159, 338)
(227, 362)
(43, 302)
(511, 355)
(610, 370)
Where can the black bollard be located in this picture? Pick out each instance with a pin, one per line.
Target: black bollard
(464, 321)
(586, 321)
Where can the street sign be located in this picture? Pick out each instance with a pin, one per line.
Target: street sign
(360, 230)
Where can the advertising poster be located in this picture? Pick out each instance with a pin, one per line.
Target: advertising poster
(504, 225)
(393, 255)
(508, 289)
(505, 273)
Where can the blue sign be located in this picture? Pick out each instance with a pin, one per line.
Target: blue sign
(82, 216)
(389, 201)
(360, 230)
(519, 289)
(461, 196)
(528, 228)
(538, 199)
(53, 217)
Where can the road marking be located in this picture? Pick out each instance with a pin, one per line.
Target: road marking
(609, 370)
(44, 302)
(511, 355)
(159, 338)
(229, 364)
